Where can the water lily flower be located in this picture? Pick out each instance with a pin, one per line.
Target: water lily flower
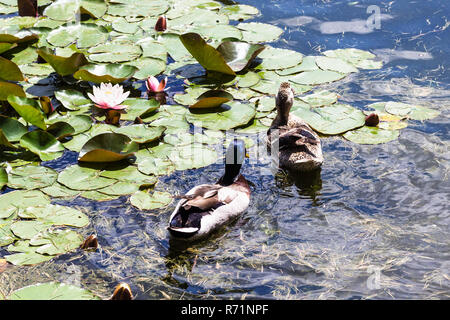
(153, 85)
(161, 24)
(108, 96)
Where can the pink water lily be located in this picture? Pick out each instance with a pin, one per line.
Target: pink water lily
(153, 85)
(108, 96)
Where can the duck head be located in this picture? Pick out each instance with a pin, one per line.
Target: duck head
(234, 159)
(284, 100)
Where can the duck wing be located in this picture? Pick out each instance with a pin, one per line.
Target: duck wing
(294, 137)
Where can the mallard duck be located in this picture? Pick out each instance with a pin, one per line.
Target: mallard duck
(299, 147)
(207, 207)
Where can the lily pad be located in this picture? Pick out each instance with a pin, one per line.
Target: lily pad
(64, 66)
(62, 10)
(12, 129)
(308, 64)
(26, 255)
(52, 291)
(239, 55)
(414, 112)
(95, 8)
(212, 99)
(72, 99)
(55, 242)
(7, 89)
(276, 58)
(335, 64)
(61, 130)
(320, 98)
(255, 32)
(141, 133)
(6, 235)
(147, 67)
(228, 116)
(29, 228)
(31, 177)
(205, 54)
(57, 190)
(317, 77)
(85, 35)
(139, 108)
(332, 120)
(98, 73)
(120, 188)
(108, 147)
(3, 179)
(144, 201)
(115, 51)
(79, 178)
(239, 11)
(11, 202)
(371, 135)
(10, 70)
(43, 144)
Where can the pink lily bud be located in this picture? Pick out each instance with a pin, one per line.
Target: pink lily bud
(161, 24)
(153, 85)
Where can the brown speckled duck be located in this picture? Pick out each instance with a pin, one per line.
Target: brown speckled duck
(299, 146)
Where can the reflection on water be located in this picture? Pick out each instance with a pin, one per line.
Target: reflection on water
(372, 223)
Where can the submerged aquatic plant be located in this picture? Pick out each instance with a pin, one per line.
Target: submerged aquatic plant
(109, 98)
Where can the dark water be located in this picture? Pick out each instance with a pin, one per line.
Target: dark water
(374, 223)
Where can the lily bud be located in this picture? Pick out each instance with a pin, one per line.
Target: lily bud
(372, 120)
(161, 24)
(91, 243)
(122, 292)
(28, 8)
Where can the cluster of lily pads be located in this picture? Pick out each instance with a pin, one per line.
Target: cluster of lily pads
(81, 77)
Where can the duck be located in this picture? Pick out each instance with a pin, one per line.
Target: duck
(207, 207)
(299, 147)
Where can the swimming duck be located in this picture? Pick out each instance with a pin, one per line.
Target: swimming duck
(207, 207)
(299, 146)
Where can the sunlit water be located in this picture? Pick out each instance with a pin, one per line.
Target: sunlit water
(374, 223)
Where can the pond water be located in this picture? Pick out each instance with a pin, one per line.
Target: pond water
(373, 223)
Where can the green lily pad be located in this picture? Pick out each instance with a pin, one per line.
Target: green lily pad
(7, 89)
(11, 202)
(95, 8)
(228, 116)
(174, 46)
(56, 215)
(43, 144)
(120, 188)
(317, 77)
(205, 54)
(12, 129)
(248, 79)
(141, 133)
(57, 190)
(349, 54)
(4, 46)
(62, 10)
(64, 66)
(31, 177)
(61, 130)
(6, 235)
(84, 35)
(108, 147)
(320, 98)
(217, 32)
(332, 120)
(239, 11)
(371, 135)
(98, 73)
(147, 67)
(27, 255)
(414, 112)
(153, 49)
(98, 196)
(10, 70)
(335, 64)
(3, 179)
(255, 32)
(129, 174)
(14, 36)
(156, 165)
(212, 99)
(4, 141)
(29, 110)
(308, 64)
(79, 178)
(192, 156)
(52, 291)
(115, 51)
(276, 58)
(144, 201)
(72, 99)
(254, 126)
(139, 108)
(136, 8)
(36, 69)
(238, 55)
(55, 242)
(29, 229)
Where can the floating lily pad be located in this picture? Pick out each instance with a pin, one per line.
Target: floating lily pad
(129, 174)
(192, 156)
(4, 46)
(29, 110)
(414, 112)
(11, 202)
(154, 164)
(27, 255)
(205, 54)
(6, 235)
(317, 77)
(17, 36)
(115, 51)
(12, 129)
(144, 201)
(335, 64)
(79, 178)
(84, 35)
(175, 47)
(276, 58)
(255, 32)
(228, 116)
(61, 130)
(141, 133)
(217, 32)
(136, 8)
(31, 177)
(64, 66)
(331, 120)
(139, 108)
(147, 67)
(98, 73)
(98, 196)
(95, 8)
(55, 242)
(52, 291)
(36, 69)
(29, 229)
(308, 64)
(371, 135)
(72, 99)
(62, 10)
(320, 98)
(212, 99)
(3, 178)
(239, 11)
(108, 147)
(248, 79)
(57, 190)
(10, 70)
(121, 188)
(254, 126)
(43, 144)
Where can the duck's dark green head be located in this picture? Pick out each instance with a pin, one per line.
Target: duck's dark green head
(234, 158)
